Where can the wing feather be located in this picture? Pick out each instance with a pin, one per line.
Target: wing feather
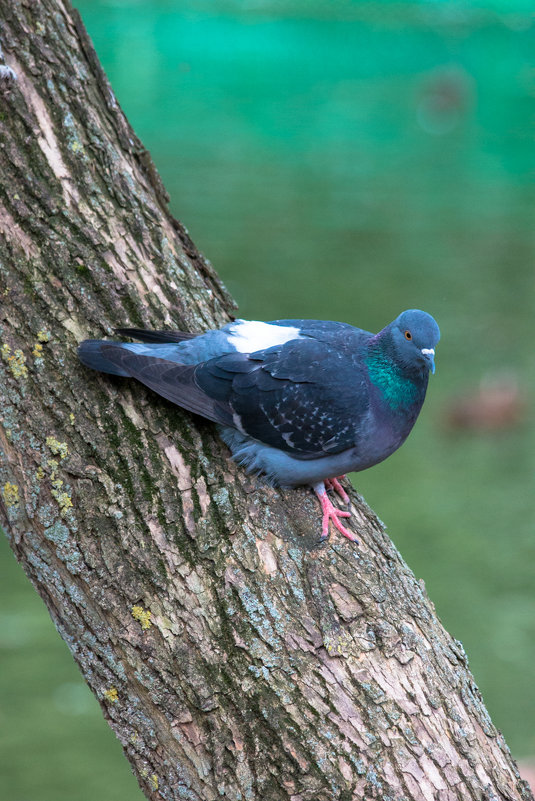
(303, 396)
(148, 335)
(175, 382)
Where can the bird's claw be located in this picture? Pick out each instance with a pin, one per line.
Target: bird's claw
(330, 512)
(334, 484)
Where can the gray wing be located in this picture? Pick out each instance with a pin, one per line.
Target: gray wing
(304, 397)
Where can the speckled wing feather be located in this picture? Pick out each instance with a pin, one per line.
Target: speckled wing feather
(304, 397)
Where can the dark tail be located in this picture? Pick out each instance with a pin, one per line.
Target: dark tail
(90, 354)
(146, 335)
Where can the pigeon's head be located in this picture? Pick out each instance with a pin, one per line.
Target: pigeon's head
(414, 336)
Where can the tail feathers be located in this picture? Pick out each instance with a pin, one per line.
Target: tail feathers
(90, 354)
(146, 335)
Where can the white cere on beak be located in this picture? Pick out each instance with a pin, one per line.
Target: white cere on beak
(429, 353)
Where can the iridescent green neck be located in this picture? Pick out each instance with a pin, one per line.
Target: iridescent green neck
(399, 390)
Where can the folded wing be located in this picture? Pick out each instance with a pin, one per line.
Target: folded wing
(304, 396)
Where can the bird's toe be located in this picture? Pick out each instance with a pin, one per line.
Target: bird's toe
(331, 513)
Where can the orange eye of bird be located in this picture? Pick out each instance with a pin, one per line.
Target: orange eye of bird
(408, 335)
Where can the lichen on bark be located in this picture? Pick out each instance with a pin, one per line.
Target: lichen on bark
(232, 653)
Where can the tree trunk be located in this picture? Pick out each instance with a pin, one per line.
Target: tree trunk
(233, 654)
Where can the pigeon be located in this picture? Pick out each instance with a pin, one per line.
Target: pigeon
(300, 402)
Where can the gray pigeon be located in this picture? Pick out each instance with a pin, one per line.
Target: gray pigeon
(298, 401)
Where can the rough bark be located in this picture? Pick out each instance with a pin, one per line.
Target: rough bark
(233, 655)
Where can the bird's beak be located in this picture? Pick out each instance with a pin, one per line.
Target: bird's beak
(429, 356)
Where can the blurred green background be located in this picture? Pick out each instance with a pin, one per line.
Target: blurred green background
(343, 160)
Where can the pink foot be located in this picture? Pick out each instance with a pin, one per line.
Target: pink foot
(331, 513)
(334, 483)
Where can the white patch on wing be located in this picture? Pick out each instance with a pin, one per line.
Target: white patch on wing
(248, 336)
